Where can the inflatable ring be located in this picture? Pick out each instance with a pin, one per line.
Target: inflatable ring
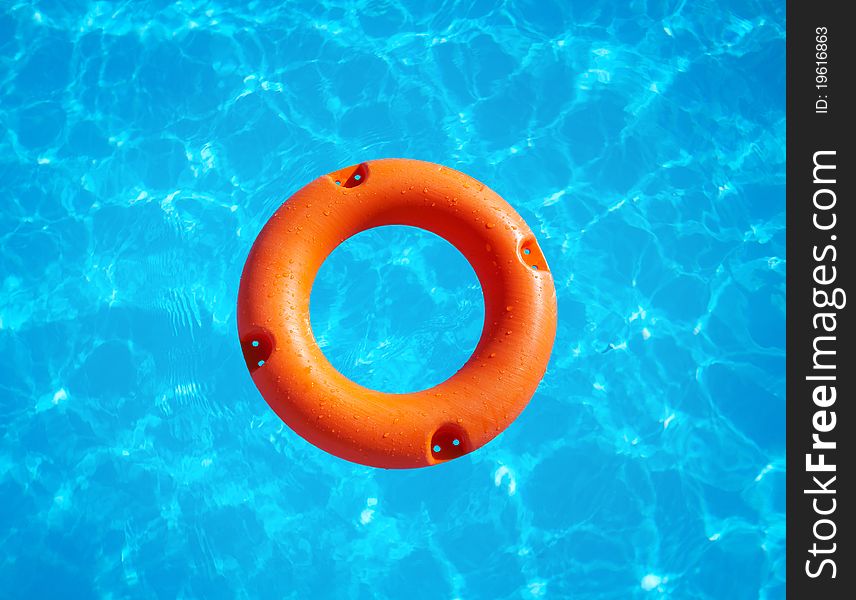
(367, 426)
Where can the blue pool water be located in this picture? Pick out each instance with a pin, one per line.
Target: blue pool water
(142, 147)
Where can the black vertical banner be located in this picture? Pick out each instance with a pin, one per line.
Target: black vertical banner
(821, 368)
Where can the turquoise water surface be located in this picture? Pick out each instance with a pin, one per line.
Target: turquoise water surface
(143, 145)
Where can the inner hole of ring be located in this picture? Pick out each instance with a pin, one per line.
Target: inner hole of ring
(397, 309)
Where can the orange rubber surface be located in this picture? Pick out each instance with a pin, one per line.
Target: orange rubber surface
(363, 425)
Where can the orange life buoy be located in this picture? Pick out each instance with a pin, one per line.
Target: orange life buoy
(367, 426)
